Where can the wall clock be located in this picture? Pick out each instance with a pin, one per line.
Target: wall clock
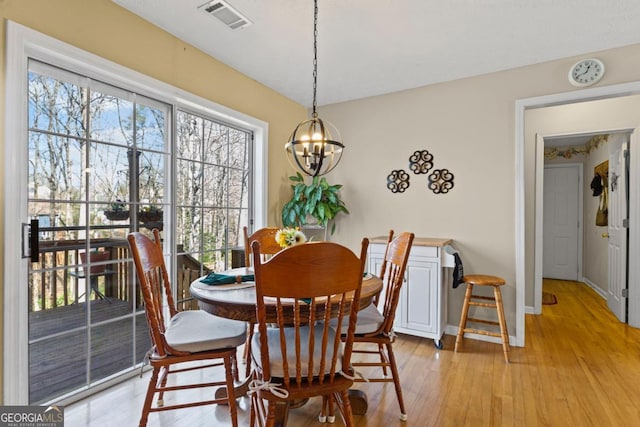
(586, 72)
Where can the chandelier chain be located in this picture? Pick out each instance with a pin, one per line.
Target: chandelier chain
(315, 55)
(315, 146)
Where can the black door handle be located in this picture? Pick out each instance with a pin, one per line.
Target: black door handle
(34, 241)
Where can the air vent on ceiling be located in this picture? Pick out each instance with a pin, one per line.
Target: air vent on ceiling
(226, 14)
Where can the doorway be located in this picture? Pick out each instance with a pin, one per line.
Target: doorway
(594, 150)
(527, 227)
(604, 243)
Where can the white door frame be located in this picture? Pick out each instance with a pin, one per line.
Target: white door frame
(634, 193)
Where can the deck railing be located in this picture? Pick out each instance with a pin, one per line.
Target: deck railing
(59, 278)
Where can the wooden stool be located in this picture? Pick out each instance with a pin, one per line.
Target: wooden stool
(484, 280)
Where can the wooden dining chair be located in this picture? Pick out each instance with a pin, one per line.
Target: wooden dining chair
(300, 355)
(186, 336)
(375, 322)
(268, 247)
(268, 244)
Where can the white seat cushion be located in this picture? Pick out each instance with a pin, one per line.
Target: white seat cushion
(275, 353)
(197, 330)
(369, 320)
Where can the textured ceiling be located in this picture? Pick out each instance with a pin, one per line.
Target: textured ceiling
(371, 47)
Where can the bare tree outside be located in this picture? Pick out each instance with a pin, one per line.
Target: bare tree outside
(212, 188)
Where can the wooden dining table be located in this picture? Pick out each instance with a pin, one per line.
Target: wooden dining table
(238, 301)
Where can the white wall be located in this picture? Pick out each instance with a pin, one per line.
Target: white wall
(469, 126)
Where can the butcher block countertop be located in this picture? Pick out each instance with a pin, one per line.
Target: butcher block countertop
(418, 241)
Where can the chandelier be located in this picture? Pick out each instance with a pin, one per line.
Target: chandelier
(315, 145)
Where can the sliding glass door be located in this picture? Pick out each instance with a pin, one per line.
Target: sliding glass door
(93, 151)
(99, 164)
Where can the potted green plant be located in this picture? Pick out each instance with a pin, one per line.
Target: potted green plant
(318, 200)
(150, 214)
(117, 211)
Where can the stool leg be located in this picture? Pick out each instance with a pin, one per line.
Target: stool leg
(463, 315)
(503, 324)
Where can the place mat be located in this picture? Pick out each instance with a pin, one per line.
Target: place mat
(229, 287)
(217, 279)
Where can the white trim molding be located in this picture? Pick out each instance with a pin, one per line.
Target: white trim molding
(16, 320)
(634, 230)
(597, 289)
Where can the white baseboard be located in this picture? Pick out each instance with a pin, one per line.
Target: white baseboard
(595, 287)
(529, 310)
(451, 330)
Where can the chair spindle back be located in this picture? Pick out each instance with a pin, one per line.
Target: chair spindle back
(392, 273)
(154, 284)
(318, 280)
(268, 244)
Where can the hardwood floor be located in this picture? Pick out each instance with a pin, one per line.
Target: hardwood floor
(580, 367)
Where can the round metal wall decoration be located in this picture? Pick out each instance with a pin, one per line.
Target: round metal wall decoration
(398, 181)
(441, 181)
(421, 162)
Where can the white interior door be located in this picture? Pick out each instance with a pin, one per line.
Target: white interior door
(617, 229)
(561, 221)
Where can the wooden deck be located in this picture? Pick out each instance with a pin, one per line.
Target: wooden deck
(58, 345)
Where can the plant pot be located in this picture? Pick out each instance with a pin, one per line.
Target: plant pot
(155, 216)
(93, 258)
(116, 215)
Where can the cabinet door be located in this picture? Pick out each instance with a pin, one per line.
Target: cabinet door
(419, 299)
(375, 264)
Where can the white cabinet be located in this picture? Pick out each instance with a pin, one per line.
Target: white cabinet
(422, 309)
